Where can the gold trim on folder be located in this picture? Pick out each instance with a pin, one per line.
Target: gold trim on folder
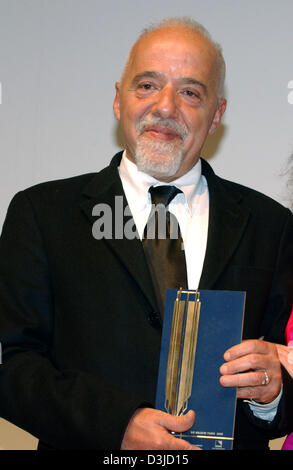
(182, 352)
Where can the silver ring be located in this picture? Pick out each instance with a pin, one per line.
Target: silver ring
(266, 380)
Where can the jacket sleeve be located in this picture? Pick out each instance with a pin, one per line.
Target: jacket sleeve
(280, 300)
(279, 306)
(66, 409)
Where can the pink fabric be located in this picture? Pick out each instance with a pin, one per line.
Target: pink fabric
(288, 443)
(289, 330)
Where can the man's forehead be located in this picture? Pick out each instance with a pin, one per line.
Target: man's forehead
(175, 46)
(181, 44)
(166, 36)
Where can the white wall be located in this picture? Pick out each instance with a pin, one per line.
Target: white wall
(59, 60)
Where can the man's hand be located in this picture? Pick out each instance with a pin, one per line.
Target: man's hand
(149, 429)
(246, 366)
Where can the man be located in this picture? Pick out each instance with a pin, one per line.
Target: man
(79, 314)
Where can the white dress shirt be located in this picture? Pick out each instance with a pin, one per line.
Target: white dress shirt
(191, 208)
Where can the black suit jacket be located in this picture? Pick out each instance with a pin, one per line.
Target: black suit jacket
(78, 317)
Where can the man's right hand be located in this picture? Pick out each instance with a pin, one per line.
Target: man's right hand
(148, 429)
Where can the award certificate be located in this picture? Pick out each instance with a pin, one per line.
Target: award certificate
(198, 327)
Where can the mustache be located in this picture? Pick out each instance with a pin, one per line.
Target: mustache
(175, 126)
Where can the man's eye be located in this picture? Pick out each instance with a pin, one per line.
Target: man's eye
(191, 94)
(144, 89)
(145, 86)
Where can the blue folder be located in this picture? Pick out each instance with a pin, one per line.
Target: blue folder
(219, 328)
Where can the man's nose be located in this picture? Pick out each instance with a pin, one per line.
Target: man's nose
(166, 104)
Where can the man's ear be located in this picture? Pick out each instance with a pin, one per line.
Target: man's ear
(116, 104)
(221, 108)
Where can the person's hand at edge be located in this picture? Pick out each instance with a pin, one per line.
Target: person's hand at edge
(148, 429)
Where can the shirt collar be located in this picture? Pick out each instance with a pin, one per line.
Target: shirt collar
(137, 183)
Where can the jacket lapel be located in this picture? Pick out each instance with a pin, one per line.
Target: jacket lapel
(228, 217)
(106, 188)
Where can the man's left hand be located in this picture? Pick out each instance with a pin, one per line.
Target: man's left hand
(254, 368)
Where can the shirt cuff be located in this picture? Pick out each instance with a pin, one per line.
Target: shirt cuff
(265, 411)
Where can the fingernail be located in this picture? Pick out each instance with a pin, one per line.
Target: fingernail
(227, 356)
(223, 369)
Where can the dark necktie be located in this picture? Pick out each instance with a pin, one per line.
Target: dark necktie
(163, 245)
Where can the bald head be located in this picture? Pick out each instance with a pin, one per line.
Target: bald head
(186, 27)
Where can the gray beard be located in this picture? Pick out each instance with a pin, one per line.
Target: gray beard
(159, 159)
